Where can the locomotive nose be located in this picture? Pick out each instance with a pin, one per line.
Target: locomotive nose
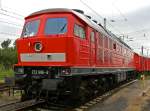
(43, 49)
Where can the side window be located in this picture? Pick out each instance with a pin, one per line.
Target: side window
(79, 31)
(92, 36)
(114, 46)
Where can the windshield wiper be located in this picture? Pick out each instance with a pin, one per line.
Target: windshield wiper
(62, 28)
(26, 32)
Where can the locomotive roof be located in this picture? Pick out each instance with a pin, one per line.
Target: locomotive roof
(99, 28)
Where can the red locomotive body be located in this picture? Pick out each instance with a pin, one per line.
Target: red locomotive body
(63, 46)
(95, 49)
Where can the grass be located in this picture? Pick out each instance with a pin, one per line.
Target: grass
(146, 74)
(5, 73)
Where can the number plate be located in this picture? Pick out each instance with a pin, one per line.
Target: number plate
(39, 71)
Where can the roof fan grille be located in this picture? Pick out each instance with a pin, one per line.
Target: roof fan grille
(78, 10)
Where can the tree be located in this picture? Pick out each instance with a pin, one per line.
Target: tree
(14, 44)
(8, 55)
(5, 44)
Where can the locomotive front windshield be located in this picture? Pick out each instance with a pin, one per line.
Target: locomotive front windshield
(30, 28)
(56, 26)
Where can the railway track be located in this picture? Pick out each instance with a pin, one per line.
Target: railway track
(9, 83)
(4, 87)
(86, 106)
(20, 106)
(57, 107)
(8, 87)
(102, 97)
(33, 104)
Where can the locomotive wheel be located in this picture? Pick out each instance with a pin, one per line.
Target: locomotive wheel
(111, 82)
(101, 86)
(81, 94)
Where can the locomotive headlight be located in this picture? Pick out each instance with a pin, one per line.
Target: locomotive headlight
(19, 70)
(66, 71)
(38, 47)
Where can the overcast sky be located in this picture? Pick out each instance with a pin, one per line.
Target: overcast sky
(130, 18)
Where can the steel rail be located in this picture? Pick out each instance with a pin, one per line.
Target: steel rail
(18, 106)
(102, 97)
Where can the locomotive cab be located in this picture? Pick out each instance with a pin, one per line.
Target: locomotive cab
(46, 44)
(45, 51)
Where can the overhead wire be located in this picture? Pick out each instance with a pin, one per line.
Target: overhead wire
(120, 12)
(16, 25)
(124, 17)
(11, 12)
(11, 34)
(11, 16)
(138, 31)
(99, 15)
(134, 33)
(14, 13)
(103, 17)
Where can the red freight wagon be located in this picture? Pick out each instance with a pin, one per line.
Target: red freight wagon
(141, 63)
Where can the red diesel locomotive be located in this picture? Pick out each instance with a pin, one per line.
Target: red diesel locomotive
(63, 52)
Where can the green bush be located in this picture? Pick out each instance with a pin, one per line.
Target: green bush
(6, 73)
(8, 57)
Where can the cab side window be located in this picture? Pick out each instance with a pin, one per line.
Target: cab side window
(79, 31)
